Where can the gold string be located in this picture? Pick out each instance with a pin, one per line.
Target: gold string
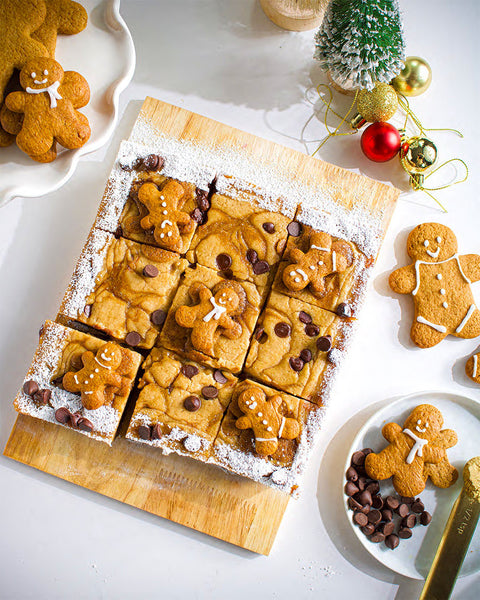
(328, 109)
(404, 103)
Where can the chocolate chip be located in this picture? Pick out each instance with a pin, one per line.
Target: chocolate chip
(324, 343)
(402, 510)
(41, 330)
(75, 418)
(158, 317)
(350, 488)
(296, 363)
(367, 451)
(189, 370)
(358, 458)
(365, 498)
(42, 396)
(353, 504)
(294, 228)
(192, 403)
(62, 415)
(209, 392)
(157, 432)
(304, 317)
(374, 516)
(377, 501)
(30, 387)
(252, 256)
(282, 329)
(392, 541)
(197, 215)
(306, 355)
(362, 483)
(219, 377)
(228, 274)
(351, 474)
(224, 261)
(312, 330)
(425, 518)
(261, 267)
(404, 533)
(360, 519)
(85, 425)
(152, 162)
(269, 227)
(118, 232)
(343, 310)
(409, 521)
(87, 311)
(387, 528)
(377, 537)
(391, 502)
(373, 487)
(202, 200)
(418, 507)
(407, 500)
(387, 514)
(258, 333)
(144, 432)
(150, 271)
(368, 529)
(133, 338)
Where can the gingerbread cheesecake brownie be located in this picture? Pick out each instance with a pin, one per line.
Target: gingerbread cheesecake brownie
(78, 381)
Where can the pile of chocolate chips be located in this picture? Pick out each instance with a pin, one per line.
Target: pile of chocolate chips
(381, 519)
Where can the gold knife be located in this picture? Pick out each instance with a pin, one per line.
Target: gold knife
(456, 538)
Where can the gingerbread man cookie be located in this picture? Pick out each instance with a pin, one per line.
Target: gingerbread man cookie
(415, 452)
(48, 103)
(63, 16)
(262, 415)
(98, 374)
(439, 281)
(164, 214)
(310, 268)
(213, 314)
(472, 368)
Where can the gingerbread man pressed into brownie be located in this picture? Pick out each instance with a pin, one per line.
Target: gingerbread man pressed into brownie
(213, 314)
(262, 415)
(312, 267)
(164, 215)
(98, 374)
(439, 281)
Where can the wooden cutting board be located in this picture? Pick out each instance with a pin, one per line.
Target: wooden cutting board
(188, 492)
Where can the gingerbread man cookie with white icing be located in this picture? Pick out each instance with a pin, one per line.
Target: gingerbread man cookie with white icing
(261, 413)
(212, 315)
(439, 281)
(99, 372)
(164, 215)
(416, 452)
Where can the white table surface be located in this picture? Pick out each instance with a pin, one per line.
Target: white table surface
(227, 61)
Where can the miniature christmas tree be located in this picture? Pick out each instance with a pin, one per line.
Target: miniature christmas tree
(360, 42)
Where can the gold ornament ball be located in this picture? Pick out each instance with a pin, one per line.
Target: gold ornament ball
(380, 104)
(418, 154)
(414, 78)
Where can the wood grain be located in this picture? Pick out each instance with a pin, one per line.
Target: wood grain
(185, 491)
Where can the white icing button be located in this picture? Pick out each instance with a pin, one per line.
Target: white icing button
(312, 267)
(297, 279)
(320, 262)
(426, 243)
(418, 422)
(439, 276)
(91, 375)
(259, 414)
(164, 204)
(269, 429)
(96, 370)
(264, 422)
(162, 235)
(169, 234)
(85, 382)
(443, 292)
(162, 198)
(165, 212)
(445, 305)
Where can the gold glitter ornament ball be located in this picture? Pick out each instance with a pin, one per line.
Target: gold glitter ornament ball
(379, 104)
(414, 78)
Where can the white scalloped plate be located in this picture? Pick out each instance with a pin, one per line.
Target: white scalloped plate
(413, 557)
(104, 53)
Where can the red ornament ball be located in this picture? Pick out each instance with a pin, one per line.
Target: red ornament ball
(380, 141)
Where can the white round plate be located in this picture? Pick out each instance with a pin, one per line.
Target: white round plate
(413, 557)
(105, 55)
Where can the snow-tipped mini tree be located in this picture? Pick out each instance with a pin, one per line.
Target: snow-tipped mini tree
(360, 42)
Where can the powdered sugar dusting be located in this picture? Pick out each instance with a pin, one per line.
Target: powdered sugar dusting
(89, 265)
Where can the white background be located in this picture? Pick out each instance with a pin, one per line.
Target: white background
(224, 59)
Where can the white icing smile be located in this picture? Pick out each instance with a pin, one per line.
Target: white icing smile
(419, 429)
(41, 81)
(433, 254)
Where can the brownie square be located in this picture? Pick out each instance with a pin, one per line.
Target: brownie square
(211, 319)
(296, 346)
(244, 235)
(181, 404)
(266, 435)
(104, 371)
(123, 288)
